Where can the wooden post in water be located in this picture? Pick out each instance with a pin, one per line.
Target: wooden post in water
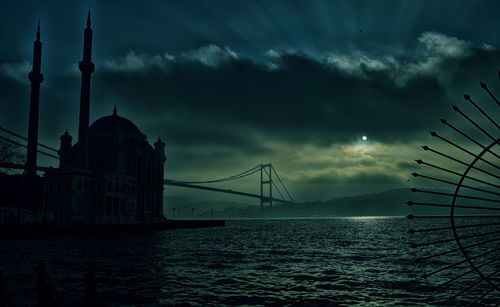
(89, 298)
(41, 279)
(3, 290)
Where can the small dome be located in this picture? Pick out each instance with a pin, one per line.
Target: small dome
(114, 123)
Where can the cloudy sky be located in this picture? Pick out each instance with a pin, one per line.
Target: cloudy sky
(231, 84)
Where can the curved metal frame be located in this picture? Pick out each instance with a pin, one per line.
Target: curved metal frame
(472, 259)
(452, 214)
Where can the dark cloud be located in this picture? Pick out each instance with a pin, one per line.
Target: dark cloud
(360, 178)
(303, 99)
(407, 165)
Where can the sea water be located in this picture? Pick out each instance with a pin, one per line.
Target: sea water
(316, 262)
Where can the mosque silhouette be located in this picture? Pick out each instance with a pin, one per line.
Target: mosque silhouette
(110, 175)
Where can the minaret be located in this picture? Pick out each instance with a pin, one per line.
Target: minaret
(35, 78)
(86, 67)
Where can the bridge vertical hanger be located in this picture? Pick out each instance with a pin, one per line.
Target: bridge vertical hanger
(267, 169)
(261, 189)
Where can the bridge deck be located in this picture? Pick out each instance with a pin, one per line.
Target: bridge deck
(193, 186)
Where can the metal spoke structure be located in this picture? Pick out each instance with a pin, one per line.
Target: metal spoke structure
(462, 248)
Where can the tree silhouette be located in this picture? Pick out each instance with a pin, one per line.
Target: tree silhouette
(9, 153)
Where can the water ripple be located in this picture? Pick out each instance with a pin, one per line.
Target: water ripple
(320, 262)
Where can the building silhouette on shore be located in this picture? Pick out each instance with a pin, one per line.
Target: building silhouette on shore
(111, 174)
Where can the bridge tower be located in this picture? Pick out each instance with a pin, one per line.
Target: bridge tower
(266, 171)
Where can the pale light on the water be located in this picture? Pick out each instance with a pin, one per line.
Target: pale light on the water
(360, 218)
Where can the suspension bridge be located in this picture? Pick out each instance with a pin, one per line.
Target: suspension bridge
(272, 188)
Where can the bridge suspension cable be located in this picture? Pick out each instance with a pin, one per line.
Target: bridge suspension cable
(249, 172)
(277, 189)
(281, 182)
(266, 169)
(26, 139)
(24, 146)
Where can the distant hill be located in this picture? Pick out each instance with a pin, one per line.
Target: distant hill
(387, 203)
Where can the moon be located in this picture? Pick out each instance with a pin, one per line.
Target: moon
(364, 138)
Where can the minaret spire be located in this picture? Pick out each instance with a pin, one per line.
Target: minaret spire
(88, 18)
(38, 30)
(36, 78)
(86, 67)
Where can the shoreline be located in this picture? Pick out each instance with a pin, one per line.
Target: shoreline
(30, 231)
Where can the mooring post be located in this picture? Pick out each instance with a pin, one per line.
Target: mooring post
(41, 279)
(90, 286)
(3, 290)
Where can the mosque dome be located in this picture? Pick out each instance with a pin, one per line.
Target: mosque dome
(114, 123)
